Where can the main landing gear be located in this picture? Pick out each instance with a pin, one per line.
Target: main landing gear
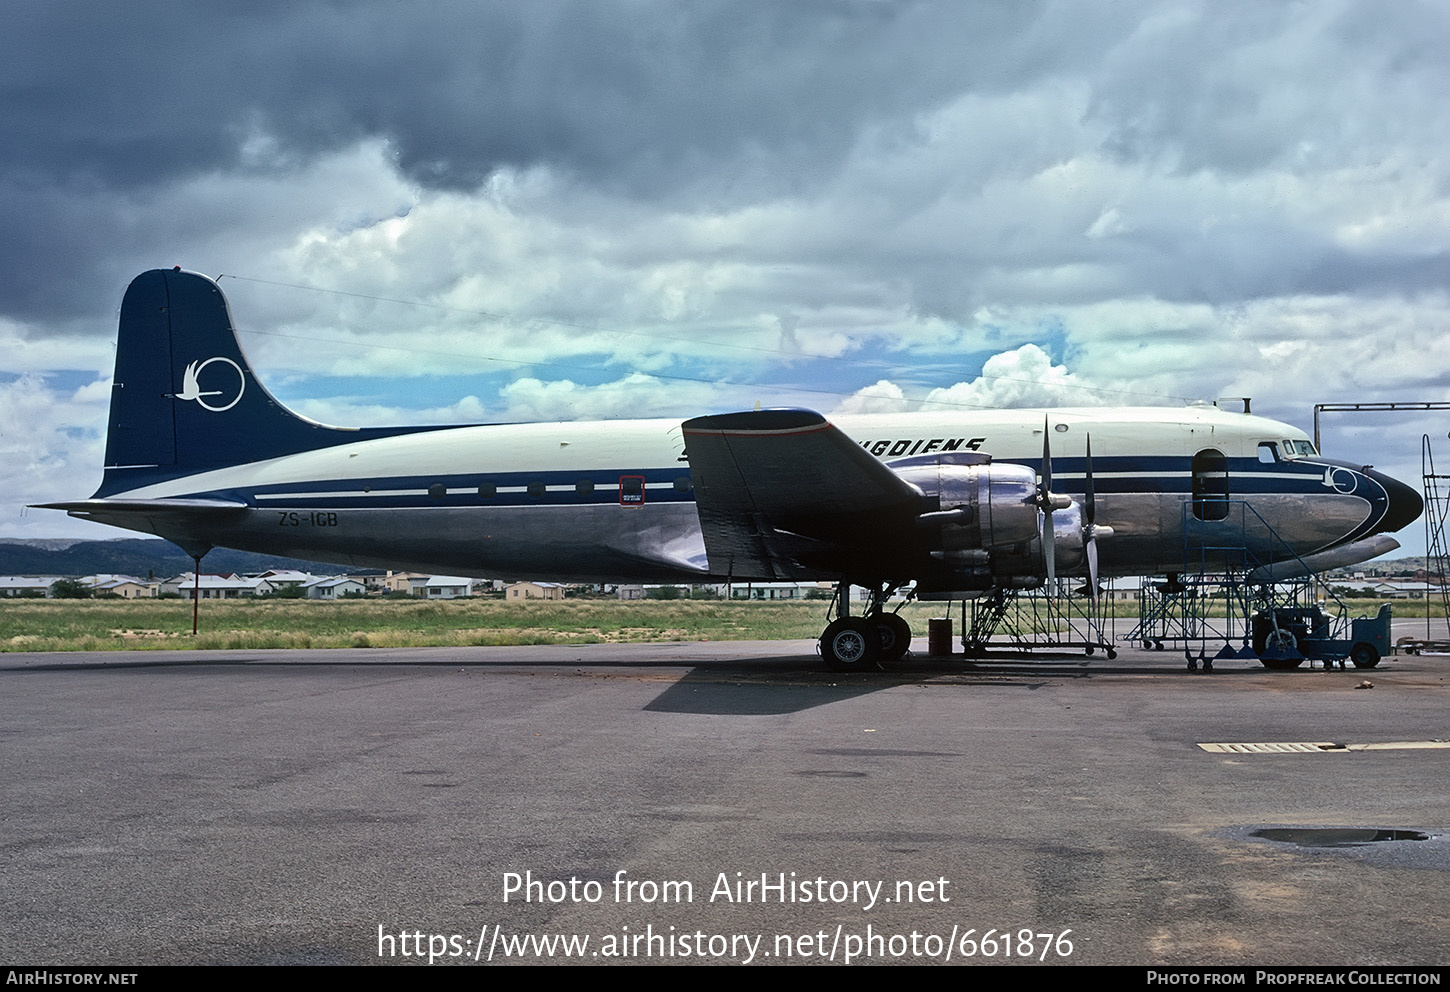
(877, 638)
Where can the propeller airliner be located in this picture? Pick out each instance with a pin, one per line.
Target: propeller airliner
(950, 504)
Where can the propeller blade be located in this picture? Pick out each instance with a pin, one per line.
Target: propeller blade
(1049, 544)
(1049, 550)
(1090, 512)
(1046, 461)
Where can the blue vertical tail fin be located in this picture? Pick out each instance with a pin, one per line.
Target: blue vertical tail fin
(184, 398)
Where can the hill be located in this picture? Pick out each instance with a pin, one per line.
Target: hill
(142, 557)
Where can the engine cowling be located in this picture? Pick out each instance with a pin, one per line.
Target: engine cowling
(981, 506)
(990, 521)
(1028, 561)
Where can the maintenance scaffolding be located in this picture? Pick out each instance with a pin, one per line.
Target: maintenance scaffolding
(1242, 593)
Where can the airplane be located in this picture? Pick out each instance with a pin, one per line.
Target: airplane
(947, 504)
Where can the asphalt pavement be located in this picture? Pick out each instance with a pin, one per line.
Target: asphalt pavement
(718, 803)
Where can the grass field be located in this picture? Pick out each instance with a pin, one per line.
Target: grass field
(149, 625)
(102, 625)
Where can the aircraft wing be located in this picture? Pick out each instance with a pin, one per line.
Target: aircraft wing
(783, 494)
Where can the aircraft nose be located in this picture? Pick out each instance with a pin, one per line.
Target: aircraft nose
(1405, 504)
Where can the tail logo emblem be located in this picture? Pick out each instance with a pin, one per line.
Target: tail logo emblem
(191, 385)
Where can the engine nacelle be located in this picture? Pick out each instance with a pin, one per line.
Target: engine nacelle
(981, 505)
(1019, 566)
(1069, 551)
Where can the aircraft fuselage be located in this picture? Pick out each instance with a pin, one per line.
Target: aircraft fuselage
(613, 501)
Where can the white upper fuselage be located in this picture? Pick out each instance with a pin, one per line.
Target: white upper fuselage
(548, 449)
(613, 499)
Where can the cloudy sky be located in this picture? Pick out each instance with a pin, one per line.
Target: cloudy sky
(465, 212)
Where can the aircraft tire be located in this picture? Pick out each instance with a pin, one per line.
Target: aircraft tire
(1284, 647)
(850, 644)
(895, 635)
(1364, 655)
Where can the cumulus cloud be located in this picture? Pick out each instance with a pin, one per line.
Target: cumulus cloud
(1024, 377)
(879, 397)
(529, 399)
(51, 445)
(344, 411)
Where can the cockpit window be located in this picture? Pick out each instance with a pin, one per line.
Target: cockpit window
(1268, 452)
(1298, 449)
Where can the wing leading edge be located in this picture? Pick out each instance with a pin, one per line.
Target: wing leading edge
(783, 494)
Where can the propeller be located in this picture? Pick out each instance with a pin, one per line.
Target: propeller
(1090, 512)
(1048, 501)
(1044, 500)
(1090, 530)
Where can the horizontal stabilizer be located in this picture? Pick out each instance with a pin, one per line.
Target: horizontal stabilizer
(183, 522)
(150, 507)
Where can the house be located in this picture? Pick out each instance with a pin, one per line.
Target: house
(374, 579)
(27, 585)
(334, 587)
(127, 587)
(410, 583)
(768, 590)
(534, 590)
(228, 586)
(278, 579)
(445, 587)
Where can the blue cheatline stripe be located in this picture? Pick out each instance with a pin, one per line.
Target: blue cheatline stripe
(1115, 475)
(471, 490)
(1173, 474)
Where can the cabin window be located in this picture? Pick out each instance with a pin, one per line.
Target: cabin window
(631, 490)
(682, 483)
(584, 487)
(537, 489)
(1268, 452)
(488, 490)
(437, 490)
(1210, 485)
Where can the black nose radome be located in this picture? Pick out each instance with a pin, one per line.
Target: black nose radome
(1405, 503)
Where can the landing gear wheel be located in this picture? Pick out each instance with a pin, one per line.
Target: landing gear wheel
(894, 635)
(1364, 655)
(850, 644)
